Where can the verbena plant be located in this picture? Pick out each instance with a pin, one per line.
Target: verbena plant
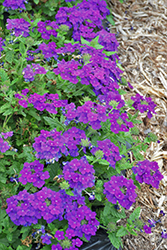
(66, 135)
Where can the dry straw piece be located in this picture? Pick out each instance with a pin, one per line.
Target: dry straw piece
(141, 30)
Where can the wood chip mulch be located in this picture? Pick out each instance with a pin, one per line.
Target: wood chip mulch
(141, 30)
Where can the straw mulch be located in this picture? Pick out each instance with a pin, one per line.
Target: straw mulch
(141, 30)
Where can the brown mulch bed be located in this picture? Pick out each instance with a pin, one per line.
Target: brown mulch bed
(141, 30)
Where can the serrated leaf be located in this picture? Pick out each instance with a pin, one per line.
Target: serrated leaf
(4, 107)
(34, 114)
(9, 237)
(98, 197)
(3, 75)
(103, 162)
(130, 230)
(135, 214)
(122, 232)
(9, 56)
(83, 41)
(116, 241)
(117, 214)
(22, 48)
(53, 123)
(24, 229)
(2, 214)
(99, 183)
(8, 112)
(90, 158)
(3, 179)
(98, 46)
(107, 209)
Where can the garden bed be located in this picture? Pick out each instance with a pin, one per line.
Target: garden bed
(73, 156)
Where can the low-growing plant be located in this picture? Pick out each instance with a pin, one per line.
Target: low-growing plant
(66, 136)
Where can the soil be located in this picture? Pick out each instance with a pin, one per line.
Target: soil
(141, 30)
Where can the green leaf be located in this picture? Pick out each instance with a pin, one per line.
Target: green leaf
(9, 56)
(115, 213)
(130, 230)
(137, 184)
(4, 107)
(110, 19)
(135, 214)
(46, 247)
(8, 112)
(24, 229)
(120, 66)
(53, 122)
(107, 209)
(22, 49)
(69, 192)
(19, 248)
(122, 232)
(34, 114)
(6, 222)
(122, 92)
(2, 214)
(98, 197)
(4, 247)
(3, 75)
(109, 53)
(99, 183)
(9, 236)
(36, 1)
(3, 179)
(116, 241)
(83, 41)
(103, 162)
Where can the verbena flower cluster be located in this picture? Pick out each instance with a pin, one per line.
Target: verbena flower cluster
(25, 209)
(4, 145)
(50, 102)
(79, 174)
(30, 71)
(47, 29)
(18, 27)
(14, 4)
(110, 151)
(90, 16)
(143, 104)
(52, 144)
(7, 134)
(1, 44)
(33, 173)
(121, 190)
(148, 172)
(99, 72)
(89, 112)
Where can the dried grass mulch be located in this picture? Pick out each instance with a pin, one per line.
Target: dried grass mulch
(141, 30)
